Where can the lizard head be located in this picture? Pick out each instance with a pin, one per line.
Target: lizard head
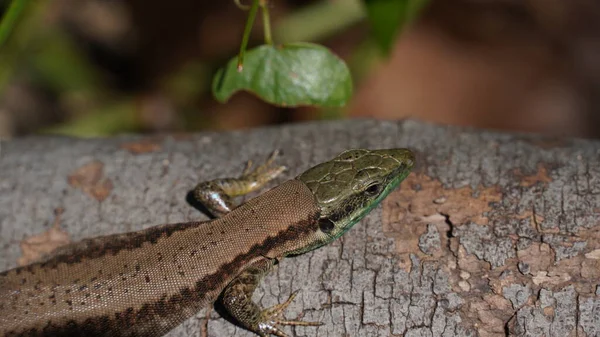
(347, 187)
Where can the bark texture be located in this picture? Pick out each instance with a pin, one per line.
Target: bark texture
(493, 234)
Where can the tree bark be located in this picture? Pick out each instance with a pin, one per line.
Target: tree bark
(493, 234)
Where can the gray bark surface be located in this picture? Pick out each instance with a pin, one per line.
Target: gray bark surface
(493, 234)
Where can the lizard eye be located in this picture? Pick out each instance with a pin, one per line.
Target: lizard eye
(373, 189)
(326, 225)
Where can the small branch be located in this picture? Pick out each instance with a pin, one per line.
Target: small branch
(240, 5)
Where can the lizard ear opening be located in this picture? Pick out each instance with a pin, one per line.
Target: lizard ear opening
(326, 225)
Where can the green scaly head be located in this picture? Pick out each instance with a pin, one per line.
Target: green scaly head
(350, 185)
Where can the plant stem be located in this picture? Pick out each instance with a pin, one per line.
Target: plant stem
(266, 21)
(10, 18)
(240, 5)
(247, 31)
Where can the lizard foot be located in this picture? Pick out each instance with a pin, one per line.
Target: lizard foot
(273, 317)
(266, 171)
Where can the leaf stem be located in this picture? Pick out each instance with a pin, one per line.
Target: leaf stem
(247, 31)
(240, 5)
(266, 21)
(10, 18)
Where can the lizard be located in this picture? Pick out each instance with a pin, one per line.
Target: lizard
(145, 283)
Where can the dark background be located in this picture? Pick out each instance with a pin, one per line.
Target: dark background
(103, 67)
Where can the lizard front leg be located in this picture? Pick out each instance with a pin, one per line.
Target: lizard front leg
(216, 195)
(237, 300)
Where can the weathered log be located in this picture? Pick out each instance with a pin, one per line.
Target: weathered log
(493, 234)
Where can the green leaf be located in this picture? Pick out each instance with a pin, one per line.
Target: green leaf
(387, 17)
(290, 75)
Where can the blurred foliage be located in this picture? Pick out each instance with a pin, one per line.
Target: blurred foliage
(314, 22)
(56, 60)
(9, 20)
(108, 119)
(387, 17)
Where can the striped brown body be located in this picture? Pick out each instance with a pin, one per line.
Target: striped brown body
(146, 283)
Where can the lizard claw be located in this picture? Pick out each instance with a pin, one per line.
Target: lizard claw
(247, 168)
